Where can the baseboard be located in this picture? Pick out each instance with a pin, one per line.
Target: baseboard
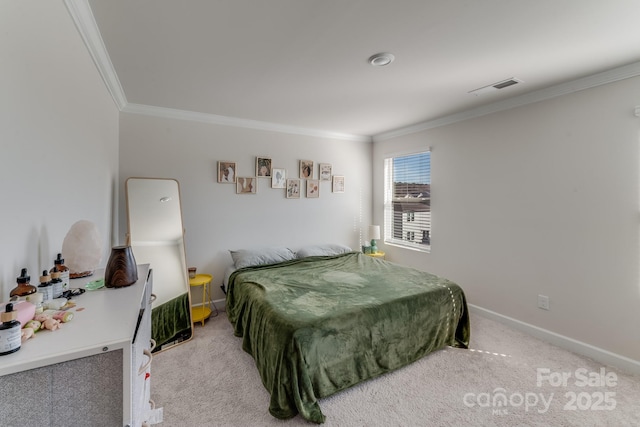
(220, 304)
(584, 349)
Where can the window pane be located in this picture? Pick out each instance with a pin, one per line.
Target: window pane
(407, 199)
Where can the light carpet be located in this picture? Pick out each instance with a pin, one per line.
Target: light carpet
(211, 381)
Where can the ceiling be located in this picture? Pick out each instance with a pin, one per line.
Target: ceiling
(302, 64)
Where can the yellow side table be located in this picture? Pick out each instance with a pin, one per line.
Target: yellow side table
(378, 254)
(201, 313)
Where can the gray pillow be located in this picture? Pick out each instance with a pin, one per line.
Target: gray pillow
(260, 256)
(322, 250)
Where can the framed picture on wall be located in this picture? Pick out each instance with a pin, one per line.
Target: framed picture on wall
(293, 188)
(227, 172)
(246, 185)
(263, 167)
(306, 169)
(313, 188)
(337, 185)
(325, 171)
(278, 178)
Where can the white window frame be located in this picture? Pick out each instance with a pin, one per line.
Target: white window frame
(418, 211)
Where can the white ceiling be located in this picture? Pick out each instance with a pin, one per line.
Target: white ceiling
(302, 64)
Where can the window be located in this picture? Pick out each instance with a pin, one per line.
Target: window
(407, 201)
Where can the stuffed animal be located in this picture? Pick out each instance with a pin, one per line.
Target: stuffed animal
(33, 324)
(51, 324)
(26, 333)
(40, 317)
(47, 322)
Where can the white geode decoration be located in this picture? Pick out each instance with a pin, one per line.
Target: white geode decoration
(82, 249)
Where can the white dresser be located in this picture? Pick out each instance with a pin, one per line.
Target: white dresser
(95, 370)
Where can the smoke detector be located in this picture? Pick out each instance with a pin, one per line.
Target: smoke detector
(381, 59)
(496, 86)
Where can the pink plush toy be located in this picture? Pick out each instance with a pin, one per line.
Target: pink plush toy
(47, 322)
(26, 333)
(51, 324)
(40, 317)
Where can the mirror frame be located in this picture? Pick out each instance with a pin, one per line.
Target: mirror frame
(185, 274)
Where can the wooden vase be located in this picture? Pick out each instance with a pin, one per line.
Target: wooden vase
(121, 269)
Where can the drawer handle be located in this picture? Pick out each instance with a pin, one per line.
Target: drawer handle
(153, 344)
(146, 365)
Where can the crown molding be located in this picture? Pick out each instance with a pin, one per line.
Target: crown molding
(610, 76)
(84, 21)
(171, 113)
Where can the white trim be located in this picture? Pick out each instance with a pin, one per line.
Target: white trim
(588, 350)
(610, 76)
(220, 304)
(172, 113)
(152, 243)
(82, 17)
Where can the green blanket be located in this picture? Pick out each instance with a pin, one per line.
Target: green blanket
(318, 325)
(171, 320)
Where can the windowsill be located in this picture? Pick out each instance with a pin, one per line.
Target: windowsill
(417, 248)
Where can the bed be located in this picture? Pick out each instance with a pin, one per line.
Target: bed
(318, 324)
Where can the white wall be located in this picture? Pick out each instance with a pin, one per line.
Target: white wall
(59, 138)
(541, 199)
(217, 219)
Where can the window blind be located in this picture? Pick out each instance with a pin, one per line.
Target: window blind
(407, 201)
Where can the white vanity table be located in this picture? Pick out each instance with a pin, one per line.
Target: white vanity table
(94, 370)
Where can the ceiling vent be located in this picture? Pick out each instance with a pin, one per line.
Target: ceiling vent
(496, 86)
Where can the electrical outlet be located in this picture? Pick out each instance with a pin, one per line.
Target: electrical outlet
(543, 302)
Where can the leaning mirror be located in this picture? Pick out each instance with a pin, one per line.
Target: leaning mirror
(156, 236)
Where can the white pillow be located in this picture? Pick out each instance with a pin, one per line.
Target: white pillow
(259, 256)
(323, 250)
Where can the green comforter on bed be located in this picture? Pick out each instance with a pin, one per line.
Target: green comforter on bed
(318, 325)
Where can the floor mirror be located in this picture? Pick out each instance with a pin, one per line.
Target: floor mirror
(156, 236)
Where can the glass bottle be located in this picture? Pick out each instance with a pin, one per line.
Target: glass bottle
(64, 272)
(36, 299)
(46, 287)
(24, 288)
(56, 282)
(10, 336)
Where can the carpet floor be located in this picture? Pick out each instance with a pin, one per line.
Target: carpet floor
(506, 378)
